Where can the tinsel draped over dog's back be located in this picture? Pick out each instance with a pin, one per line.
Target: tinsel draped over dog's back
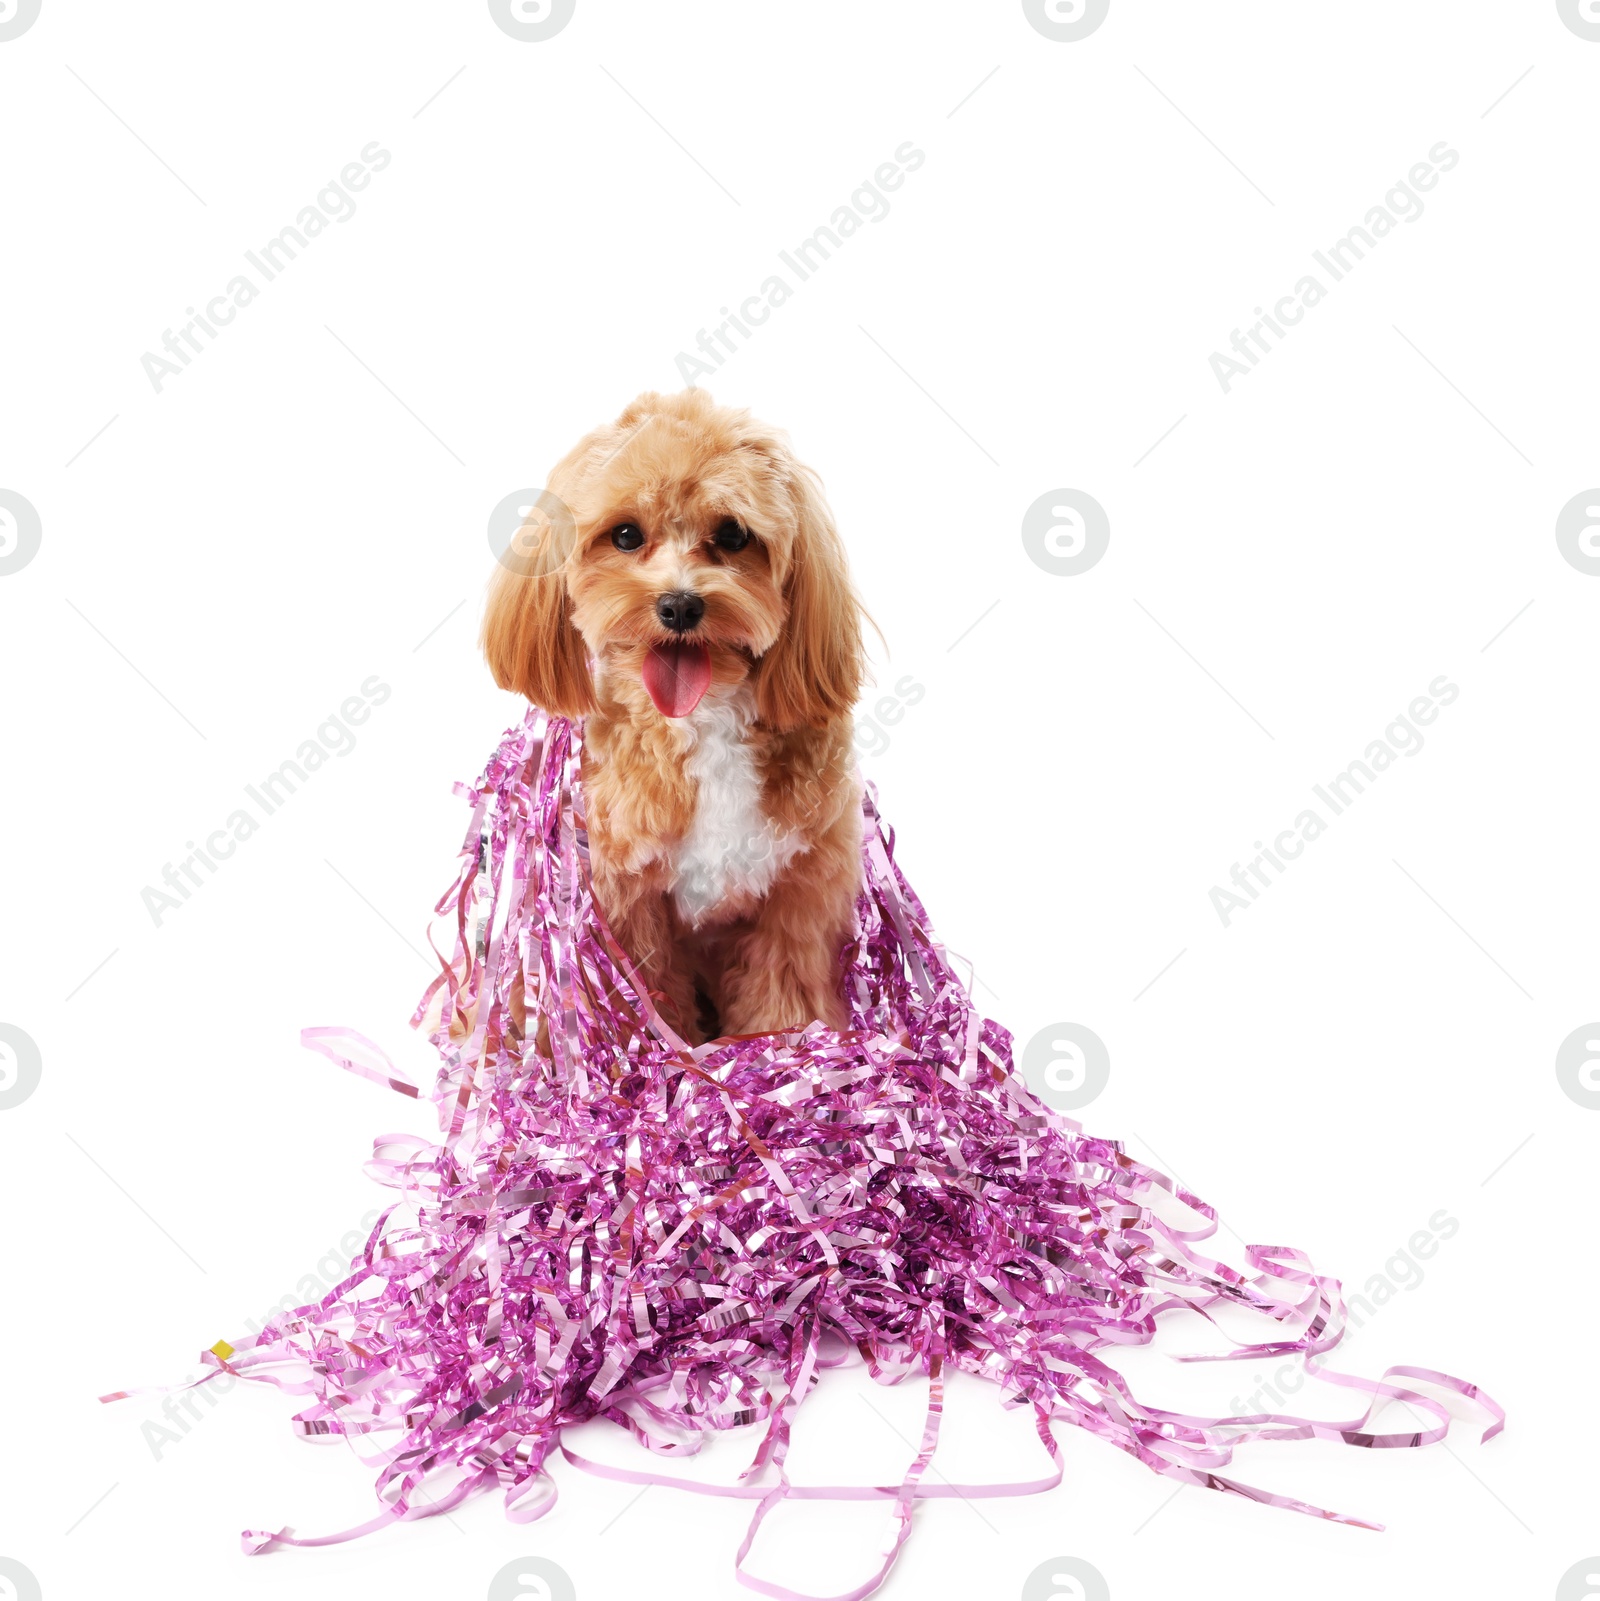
(615, 1224)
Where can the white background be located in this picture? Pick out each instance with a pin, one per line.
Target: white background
(305, 506)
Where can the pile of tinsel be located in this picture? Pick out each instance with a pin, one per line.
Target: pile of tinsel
(615, 1224)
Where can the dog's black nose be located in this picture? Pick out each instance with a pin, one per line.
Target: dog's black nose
(680, 610)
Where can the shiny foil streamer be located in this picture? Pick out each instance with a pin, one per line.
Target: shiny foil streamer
(614, 1224)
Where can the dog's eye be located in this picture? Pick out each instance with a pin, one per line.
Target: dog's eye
(627, 536)
(731, 535)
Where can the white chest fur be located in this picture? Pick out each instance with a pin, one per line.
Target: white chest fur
(732, 852)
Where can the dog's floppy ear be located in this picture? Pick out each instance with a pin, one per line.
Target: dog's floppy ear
(529, 639)
(812, 674)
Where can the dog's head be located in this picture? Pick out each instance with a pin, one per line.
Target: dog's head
(679, 547)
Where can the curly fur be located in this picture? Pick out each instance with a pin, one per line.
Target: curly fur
(725, 845)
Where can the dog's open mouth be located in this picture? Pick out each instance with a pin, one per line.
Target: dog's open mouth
(676, 675)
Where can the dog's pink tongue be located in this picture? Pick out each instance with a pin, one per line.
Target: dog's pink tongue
(676, 676)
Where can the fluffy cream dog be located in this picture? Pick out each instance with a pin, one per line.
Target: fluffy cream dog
(681, 587)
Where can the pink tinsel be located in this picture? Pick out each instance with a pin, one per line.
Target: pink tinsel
(678, 1238)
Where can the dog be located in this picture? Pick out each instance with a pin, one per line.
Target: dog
(682, 589)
